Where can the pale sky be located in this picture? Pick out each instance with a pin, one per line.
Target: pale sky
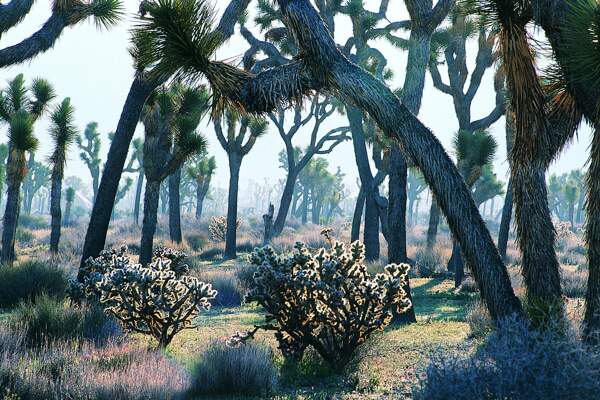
(94, 69)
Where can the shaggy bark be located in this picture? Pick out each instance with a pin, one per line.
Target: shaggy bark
(175, 206)
(434, 221)
(95, 238)
(151, 197)
(505, 222)
(13, 13)
(232, 205)
(10, 221)
(55, 211)
(357, 218)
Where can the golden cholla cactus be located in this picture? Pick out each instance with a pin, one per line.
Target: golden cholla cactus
(326, 300)
(217, 229)
(158, 300)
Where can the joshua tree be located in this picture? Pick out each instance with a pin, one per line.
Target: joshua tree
(20, 111)
(3, 157)
(89, 144)
(180, 49)
(21, 141)
(38, 176)
(105, 13)
(145, 82)
(170, 119)
(237, 141)
(137, 157)
(63, 133)
(415, 186)
(201, 172)
(70, 198)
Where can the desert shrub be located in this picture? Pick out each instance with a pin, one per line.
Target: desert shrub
(217, 228)
(574, 283)
(196, 241)
(50, 319)
(468, 286)
(479, 320)
(428, 263)
(516, 363)
(159, 300)
(245, 276)
(211, 253)
(241, 370)
(24, 236)
(62, 370)
(33, 222)
(246, 247)
(326, 300)
(27, 280)
(229, 290)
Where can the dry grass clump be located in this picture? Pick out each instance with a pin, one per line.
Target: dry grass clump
(428, 264)
(574, 282)
(230, 292)
(28, 280)
(242, 370)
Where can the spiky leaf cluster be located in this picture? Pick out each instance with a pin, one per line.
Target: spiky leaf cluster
(217, 228)
(326, 300)
(159, 300)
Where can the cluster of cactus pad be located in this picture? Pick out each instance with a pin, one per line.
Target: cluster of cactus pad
(217, 229)
(326, 300)
(158, 300)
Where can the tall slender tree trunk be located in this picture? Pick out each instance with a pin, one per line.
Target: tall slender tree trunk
(591, 322)
(286, 201)
(232, 207)
(11, 219)
(95, 237)
(505, 222)
(55, 211)
(67, 219)
(151, 197)
(305, 194)
(138, 197)
(199, 202)
(358, 213)
(434, 221)
(572, 216)
(175, 206)
(371, 224)
(28, 185)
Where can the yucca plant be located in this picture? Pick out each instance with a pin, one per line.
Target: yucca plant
(201, 173)
(89, 145)
(63, 133)
(170, 119)
(21, 142)
(70, 198)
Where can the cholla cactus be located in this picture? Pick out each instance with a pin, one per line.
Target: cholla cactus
(217, 229)
(158, 300)
(326, 300)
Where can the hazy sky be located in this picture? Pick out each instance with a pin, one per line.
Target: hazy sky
(94, 69)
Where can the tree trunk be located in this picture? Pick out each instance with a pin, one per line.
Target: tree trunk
(371, 224)
(286, 200)
(95, 237)
(591, 320)
(11, 219)
(232, 205)
(55, 212)
(268, 220)
(397, 207)
(505, 223)
(138, 197)
(199, 202)
(358, 213)
(175, 206)
(434, 221)
(151, 197)
(572, 216)
(67, 219)
(304, 205)
(96, 184)
(580, 207)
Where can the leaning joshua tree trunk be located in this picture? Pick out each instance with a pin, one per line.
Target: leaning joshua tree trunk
(232, 205)
(10, 221)
(357, 218)
(55, 211)
(175, 206)
(151, 197)
(592, 236)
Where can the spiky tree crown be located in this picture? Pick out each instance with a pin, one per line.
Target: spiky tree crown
(105, 13)
(62, 131)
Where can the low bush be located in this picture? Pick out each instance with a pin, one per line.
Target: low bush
(326, 300)
(230, 292)
(241, 370)
(33, 222)
(479, 320)
(428, 263)
(217, 228)
(50, 319)
(245, 276)
(574, 283)
(211, 253)
(159, 300)
(24, 236)
(516, 363)
(27, 280)
(196, 241)
(62, 370)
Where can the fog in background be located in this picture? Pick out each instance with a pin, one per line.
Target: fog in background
(95, 70)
